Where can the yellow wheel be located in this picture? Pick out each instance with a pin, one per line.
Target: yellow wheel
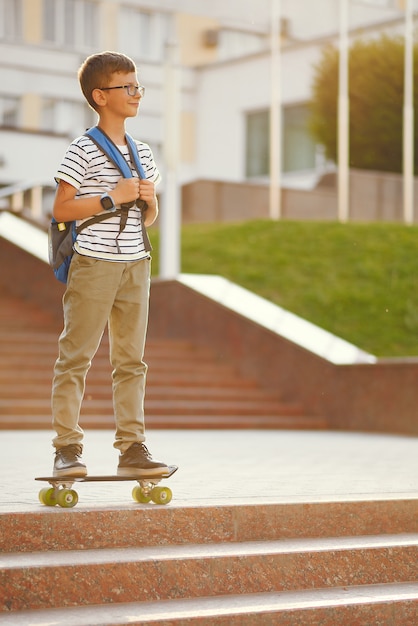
(47, 496)
(161, 495)
(139, 495)
(67, 498)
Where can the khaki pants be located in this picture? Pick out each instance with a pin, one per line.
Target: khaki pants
(101, 292)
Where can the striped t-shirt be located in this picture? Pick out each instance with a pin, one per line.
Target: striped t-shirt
(87, 169)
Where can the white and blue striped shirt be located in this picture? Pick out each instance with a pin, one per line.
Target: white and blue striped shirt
(87, 169)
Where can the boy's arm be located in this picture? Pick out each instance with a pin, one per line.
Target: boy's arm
(67, 207)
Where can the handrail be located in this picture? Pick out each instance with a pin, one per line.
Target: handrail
(24, 235)
(26, 195)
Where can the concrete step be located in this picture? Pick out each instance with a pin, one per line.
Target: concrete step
(391, 604)
(181, 360)
(97, 390)
(41, 335)
(187, 384)
(136, 526)
(196, 570)
(159, 406)
(22, 316)
(164, 371)
(157, 378)
(203, 422)
(45, 350)
(339, 563)
(34, 342)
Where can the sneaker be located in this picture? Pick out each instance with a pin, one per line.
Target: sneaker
(137, 461)
(67, 461)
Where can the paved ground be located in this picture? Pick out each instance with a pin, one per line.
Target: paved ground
(226, 466)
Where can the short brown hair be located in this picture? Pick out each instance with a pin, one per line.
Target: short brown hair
(97, 70)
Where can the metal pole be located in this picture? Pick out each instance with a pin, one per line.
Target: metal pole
(170, 218)
(408, 117)
(275, 114)
(343, 118)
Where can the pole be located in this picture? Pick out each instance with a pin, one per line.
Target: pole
(408, 117)
(343, 118)
(275, 114)
(170, 219)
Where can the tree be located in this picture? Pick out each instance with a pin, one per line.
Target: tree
(376, 81)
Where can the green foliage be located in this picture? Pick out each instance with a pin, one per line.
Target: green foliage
(358, 281)
(376, 83)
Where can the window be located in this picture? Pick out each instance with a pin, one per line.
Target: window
(380, 3)
(90, 21)
(49, 20)
(142, 34)
(234, 43)
(69, 9)
(258, 150)
(66, 116)
(11, 19)
(298, 148)
(9, 111)
(48, 115)
(71, 23)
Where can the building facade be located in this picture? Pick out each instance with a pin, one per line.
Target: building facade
(223, 53)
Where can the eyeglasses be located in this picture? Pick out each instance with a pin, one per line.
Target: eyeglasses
(131, 90)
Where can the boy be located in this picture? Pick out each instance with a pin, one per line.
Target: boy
(109, 276)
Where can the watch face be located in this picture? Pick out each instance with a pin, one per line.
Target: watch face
(107, 203)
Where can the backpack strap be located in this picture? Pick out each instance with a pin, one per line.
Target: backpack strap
(141, 204)
(133, 153)
(97, 218)
(110, 149)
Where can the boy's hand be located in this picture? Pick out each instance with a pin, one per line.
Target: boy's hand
(147, 191)
(130, 189)
(126, 190)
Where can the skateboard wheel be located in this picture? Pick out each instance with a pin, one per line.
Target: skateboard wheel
(139, 495)
(161, 495)
(47, 496)
(67, 498)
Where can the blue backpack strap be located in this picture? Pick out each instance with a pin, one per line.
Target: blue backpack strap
(104, 143)
(133, 152)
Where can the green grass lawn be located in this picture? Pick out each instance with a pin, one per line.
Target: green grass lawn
(358, 281)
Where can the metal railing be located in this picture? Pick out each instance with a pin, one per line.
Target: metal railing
(33, 198)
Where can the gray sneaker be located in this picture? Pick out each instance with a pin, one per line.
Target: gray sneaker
(137, 461)
(68, 461)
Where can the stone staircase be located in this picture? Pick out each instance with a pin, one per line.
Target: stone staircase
(187, 387)
(328, 564)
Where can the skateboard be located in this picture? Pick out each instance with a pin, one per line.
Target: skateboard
(62, 493)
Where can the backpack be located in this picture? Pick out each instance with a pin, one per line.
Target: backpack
(62, 235)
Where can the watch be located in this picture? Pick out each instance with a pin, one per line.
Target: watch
(107, 202)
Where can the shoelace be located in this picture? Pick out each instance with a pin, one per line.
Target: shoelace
(71, 450)
(143, 448)
(146, 451)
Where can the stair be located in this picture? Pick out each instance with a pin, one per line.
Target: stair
(339, 563)
(187, 386)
